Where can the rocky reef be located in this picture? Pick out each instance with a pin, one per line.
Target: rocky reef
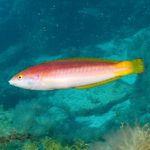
(87, 114)
(51, 30)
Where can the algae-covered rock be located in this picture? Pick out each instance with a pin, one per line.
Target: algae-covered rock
(6, 120)
(96, 121)
(49, 143)
(52, 118)
(58, 112)
(89, 99)
(30, 146)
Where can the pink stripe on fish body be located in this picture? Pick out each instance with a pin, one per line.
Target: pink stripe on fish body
(60, 68)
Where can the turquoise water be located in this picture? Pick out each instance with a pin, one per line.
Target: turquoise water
(32, 32)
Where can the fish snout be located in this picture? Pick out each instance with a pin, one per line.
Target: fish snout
(11, 82)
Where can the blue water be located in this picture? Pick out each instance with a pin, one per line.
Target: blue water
(32, 32)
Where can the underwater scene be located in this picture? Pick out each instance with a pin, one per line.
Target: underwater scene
(89, 87)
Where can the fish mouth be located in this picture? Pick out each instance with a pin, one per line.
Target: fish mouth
(11, 82)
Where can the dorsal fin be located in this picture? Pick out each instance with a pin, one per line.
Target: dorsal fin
(86, 59)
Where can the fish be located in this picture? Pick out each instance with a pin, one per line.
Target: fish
(80, 73)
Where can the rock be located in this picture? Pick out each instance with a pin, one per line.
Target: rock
(6, 120)
(84, 100)
(52, 117)
(145, 119)
(96, 121)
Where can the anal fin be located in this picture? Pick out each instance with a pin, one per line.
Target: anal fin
(98, 83)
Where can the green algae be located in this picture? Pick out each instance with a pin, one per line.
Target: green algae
(45, 143)
(30, 146)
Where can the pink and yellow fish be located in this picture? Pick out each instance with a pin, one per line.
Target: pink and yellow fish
(75, 72)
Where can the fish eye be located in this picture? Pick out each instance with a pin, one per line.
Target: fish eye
(20, 77)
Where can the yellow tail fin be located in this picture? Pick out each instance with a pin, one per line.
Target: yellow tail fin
(137, 66)
(130, 67)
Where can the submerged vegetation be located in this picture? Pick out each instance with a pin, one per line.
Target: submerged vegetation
(127, 138)
(46, 143)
